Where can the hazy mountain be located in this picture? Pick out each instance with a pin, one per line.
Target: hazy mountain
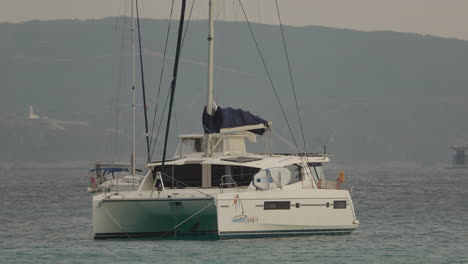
(371, 97)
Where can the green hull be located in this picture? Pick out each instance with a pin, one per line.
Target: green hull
(155, 218)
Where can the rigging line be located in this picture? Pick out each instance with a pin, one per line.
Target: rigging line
(224, 9)
(258, 9)
(175, 119)
(114, 101)
(281, 138)
(268, 74)
(181, 48)
(188, 218)
(113, 219)
(162, 72)
(120, 84)
(207, 129)
(153, 146)
(185, 184)
(143, 84)
(188, 23)
(174, 79)
(217, 11)
(272, 84)
(290, 75)
(110, 145)
(292, 84)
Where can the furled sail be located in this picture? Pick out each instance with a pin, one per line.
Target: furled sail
(226, 120)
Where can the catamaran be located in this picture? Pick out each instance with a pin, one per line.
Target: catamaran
(213, 187)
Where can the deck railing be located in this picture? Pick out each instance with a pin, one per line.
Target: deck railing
(227, 180)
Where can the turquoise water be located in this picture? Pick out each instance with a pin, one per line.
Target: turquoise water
(407, 216)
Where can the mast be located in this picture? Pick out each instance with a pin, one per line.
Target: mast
(209, 103)
(174, 80)
(143, 83)
(133, 90)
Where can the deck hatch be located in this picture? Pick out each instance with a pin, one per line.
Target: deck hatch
(242, 159)
(282, 205)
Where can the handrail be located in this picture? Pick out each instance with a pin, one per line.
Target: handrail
(222, 184)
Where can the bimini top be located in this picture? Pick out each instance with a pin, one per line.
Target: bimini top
(110, 170)
(226, 120)
(106, 168)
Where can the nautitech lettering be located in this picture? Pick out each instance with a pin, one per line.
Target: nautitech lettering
(243, 219)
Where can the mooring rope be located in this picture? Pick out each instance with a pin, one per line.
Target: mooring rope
(188, 218)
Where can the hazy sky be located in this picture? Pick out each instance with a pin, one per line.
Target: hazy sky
(446, 18)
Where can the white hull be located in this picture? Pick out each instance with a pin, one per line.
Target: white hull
(306, 212)
(227, 215)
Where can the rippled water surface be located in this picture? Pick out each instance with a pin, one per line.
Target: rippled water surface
(406, 215)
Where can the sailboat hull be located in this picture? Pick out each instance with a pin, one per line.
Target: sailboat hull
(137, 218)
(275, 213)
(227, 215)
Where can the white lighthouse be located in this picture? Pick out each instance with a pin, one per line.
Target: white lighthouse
(31, 113)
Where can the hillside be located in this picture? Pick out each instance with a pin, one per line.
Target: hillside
(371, 97)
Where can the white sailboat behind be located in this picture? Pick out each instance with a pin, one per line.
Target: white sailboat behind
(116, 176)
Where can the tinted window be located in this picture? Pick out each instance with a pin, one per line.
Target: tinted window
(277, 205)
(187, 175)
(339, 204)
(316, 170)
(296, 175)
(241, 175)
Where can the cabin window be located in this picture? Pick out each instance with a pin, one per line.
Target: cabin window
(190, 145)
(316, 170)
(181, 176)
(241, 175)
(277, 205)
(235, 145)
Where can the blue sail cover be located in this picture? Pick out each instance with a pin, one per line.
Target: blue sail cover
(231, 118)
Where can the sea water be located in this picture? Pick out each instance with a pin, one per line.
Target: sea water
(407, 216)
